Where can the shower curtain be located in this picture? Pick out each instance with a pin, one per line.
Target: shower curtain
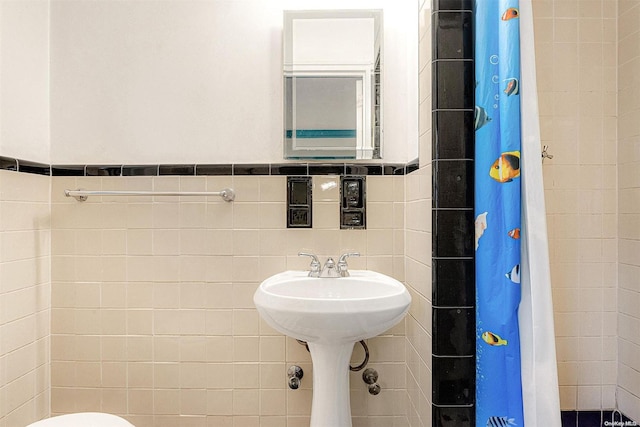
(537, 337)
(497, 212)
(516, 376)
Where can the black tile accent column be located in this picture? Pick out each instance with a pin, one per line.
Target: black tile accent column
(453, 255)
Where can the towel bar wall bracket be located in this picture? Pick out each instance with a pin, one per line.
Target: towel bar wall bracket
(227, 194)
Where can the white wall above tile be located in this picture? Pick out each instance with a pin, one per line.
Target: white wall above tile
(197, 81)
(24, 79)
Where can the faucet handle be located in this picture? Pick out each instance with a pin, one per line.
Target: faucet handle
(342, 263)
(315, 264)
(343, 257)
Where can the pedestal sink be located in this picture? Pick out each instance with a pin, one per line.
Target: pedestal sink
(331, 315)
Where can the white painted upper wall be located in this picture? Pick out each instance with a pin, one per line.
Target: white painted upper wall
(333, 41)
(187, 81)
(24, 79)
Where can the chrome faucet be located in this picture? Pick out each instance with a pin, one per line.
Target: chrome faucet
(330, 268)
(343, 268)
(314, 267)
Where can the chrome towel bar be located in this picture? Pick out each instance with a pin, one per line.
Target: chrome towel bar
(227, 194)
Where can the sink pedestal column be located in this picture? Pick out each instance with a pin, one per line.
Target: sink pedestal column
(331, 405)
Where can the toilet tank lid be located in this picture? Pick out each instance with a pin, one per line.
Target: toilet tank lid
(83, 419)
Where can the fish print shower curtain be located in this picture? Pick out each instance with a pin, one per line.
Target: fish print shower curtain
(497, 213)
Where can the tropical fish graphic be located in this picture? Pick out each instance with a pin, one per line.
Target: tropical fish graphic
(481, 225)
(514, 234)
(500, 422)
(506, 167)
(511, 13)
(513, 87)
(481, 117)
(514, 274)
(492, 339)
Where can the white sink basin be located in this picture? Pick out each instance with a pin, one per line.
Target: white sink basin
(344, 309)
(331, 315)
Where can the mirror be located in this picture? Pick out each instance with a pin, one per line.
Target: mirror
(332, 84)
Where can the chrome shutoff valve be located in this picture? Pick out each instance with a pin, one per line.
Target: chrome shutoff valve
(370, 376)
(295, 374)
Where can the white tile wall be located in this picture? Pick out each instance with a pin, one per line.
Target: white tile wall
(152, 310)
(628, 386)
(576, 65)
(25, 287)
(418, 245)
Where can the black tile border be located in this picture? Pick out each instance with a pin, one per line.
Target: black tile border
(454, 381)
(411, 167)
(456, 282)
(454, 139)
(26, 166)
(449, 5)
(141, 170)
(327, 169)
(453, 291)
(452, 43)
(185, 170)
(226, 169)
(451, 87)
(625, 418)
(7, 163)
(33, 167)
(453, 234)
(67, 170)
(568, 418)
(455, 180)
(289, 169)
(454, 331)
(247, 169)
(103, 170)
(214, 170)
(596, 418)
(356, 169)
(454, 416)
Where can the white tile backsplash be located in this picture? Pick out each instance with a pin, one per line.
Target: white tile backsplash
(182, 304)
(25, 298)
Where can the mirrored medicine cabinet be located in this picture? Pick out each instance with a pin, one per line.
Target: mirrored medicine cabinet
(332, 65)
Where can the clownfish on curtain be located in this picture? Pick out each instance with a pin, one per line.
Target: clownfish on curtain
(497, 212)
